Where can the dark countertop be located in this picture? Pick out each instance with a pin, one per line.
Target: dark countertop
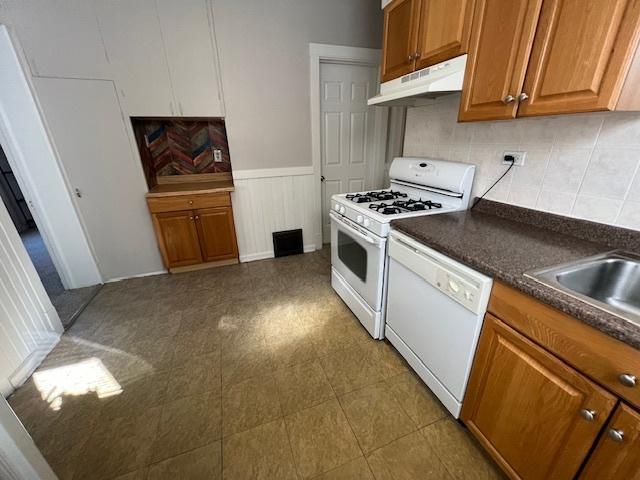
(190, 188)
(504, 242)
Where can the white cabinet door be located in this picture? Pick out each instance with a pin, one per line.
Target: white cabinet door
(136, 52)
(188, 35)
(60, 37)
(90, 137)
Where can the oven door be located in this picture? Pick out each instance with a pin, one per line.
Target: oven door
(358, 255)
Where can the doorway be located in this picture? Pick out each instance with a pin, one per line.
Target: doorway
(68, 303)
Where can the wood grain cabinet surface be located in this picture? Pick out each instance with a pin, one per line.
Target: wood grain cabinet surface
(543, 57)
(420, 33)
(194, 231)
(524, 405)
(617, 455)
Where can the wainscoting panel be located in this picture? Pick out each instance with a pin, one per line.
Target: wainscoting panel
(29, 324)
(264, 205)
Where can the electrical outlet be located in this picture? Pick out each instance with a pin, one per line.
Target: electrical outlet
(217, 155)
(518, 157)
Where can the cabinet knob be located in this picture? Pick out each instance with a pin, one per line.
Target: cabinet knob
(616, 435)
(588, 415)
(522, 97)
(508, 99)
(627, 379)
(197, 217)
(190, 202)
(410, 58)
(191, 217)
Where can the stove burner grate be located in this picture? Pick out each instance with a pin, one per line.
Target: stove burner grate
(386, 195)
(359, 198)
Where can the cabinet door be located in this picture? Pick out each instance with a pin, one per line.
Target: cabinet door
(617, 457)
(399, 38)
(524, 405)
(581, 54)
(217, 234)
(133, 41)
(178, 237)
(445, 26)
(501, 39)
(60, 37)
(188, 35)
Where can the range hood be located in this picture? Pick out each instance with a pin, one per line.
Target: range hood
(440, 79)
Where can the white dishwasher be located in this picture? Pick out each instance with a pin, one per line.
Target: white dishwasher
(435, 309)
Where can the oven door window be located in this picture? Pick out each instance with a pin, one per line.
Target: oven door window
(352, 255)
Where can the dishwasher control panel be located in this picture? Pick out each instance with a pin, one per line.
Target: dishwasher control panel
(461, 290)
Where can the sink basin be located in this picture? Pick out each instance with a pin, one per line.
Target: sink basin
(610, 281)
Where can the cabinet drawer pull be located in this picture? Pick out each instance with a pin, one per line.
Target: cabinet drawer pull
(508, 99)
(627, 379)
(588, 415)
(616, 435)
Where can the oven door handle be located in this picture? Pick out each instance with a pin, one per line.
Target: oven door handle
(352, 230)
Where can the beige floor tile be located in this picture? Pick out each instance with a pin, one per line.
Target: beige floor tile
(118, 445)
(460, 454)
(357, 469)
(408, 458)
(349, 369)
(250, 358)
(140, 474)
(137, 396)
(321, 439)
(199, 376)
(249, 403)
(188, 423)
(416, 399)
(291, 350)
(262, 453)
(387, 359)
(302, 386)
(375, 416)
(190, 344)
(203, 463)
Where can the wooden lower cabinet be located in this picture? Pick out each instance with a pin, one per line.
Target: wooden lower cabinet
(216, 230)
(526, 407)
(179, 242)
(617, 455)
(194, 237)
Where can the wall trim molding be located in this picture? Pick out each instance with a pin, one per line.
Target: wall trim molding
(272, 172)
(252, 257)
(149, 274)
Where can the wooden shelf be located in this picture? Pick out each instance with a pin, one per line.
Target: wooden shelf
(190, 188)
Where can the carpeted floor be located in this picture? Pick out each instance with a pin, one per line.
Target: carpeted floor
(68, 303)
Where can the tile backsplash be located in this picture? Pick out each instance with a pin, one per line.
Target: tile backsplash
(583, 165)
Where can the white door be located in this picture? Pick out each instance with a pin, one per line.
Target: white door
(188, 35)
(346, 132)
(133, 40)
(89, 134)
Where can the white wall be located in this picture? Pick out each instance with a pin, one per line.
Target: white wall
(25, 140)
(264, 60)
(583, 165)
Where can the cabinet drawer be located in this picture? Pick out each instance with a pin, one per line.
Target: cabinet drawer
(188, 202)
(590, 351)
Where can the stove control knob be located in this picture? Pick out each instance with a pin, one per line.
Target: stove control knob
(359, 219)
(366, 222)
(336, 207)
(342, 210)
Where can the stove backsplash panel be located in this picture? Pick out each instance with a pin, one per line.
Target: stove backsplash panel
(172, 146)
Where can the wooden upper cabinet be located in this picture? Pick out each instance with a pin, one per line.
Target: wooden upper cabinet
(444, 29)
(501, 40)
(178, 237)
(617, 457)
(581, 55)
(217, 233)
(399, 38)
(525, 406)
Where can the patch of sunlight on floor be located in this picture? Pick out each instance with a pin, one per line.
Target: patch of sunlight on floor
(80, 378)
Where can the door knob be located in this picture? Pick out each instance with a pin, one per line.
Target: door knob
(78, 193)
(616, 434)
(322, 178)
(508, 99)
(588, 415)
(522, 97)
(627, 379)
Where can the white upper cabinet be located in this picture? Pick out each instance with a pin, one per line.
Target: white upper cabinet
(60, 37)
(133, 40)
(188, 35)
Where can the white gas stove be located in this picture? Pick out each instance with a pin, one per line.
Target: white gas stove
(360, 224)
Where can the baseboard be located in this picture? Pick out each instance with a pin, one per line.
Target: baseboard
(252, 257)
(32, 362)
(150, 274)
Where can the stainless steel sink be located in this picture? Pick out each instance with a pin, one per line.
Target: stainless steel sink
(610, 281)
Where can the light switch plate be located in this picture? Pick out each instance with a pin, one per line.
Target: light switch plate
(518, 156)
(217, 155)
